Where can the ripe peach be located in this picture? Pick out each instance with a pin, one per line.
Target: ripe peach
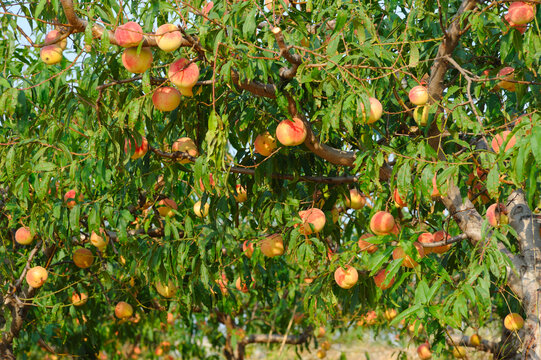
(399, 202)
(187, 145)
(326, 345)
(168, 37)
(414, 325)
(240, 284)
(390, 314)
(265, 144)
(52, 38)
(51, 54)
(201, 212)
(23, 236)
(381, 279)
(71, 198)
(420, 115)
(123, 310)
(424, 351)
(346, 277)
(313, 221)
(321, 332)
(440, 236)
(79, 299)
(499, 139)
(83, 258)
(166, 98)
(382, 223)
(100, 241)
(321, 354)
(459, 352)
(166, 206)
(167, 291)
(184, 74)
(367, 246)
(520, 28)
(139, 149)
(418, 95)
(129, 35)
(370, 318)
(475, 340)
(520, 13)
(513, 322)
(497, 215)
(240, 193)
(376, 110)
(356, 200)
(508, 77)
(426, 238)
(272, 245)
(36, 276)
(291, 133)
(222, 284)
(137, 62)
(399, 253)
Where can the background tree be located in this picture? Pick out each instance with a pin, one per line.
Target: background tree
(113, 144)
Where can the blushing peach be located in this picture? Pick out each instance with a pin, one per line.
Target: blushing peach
(272, 245)
(399, 253)
(36, 276)
(346, 277)
(201, 211)
(129, 35)
(165, 207)
(426, 238)
(381, 280)
(499, 139)
(123, 310)
(99, 240)
(521, 13)
(23, 236)
(367, 246)
(51, 54)
(166, 98)
(137, 62)
(418, 95)
(52, 38)
(291, 133)
(187, 145)
(376, 110)
(424, 351)
(399, 202)
(356, 200)
(222, 284)
(167, 291)
(313, 221)
(520, 28)
(248, 248)
(440, 236)
(497, 215)
(513, 322)
(184, 74)
(382, 223)
(390, 314)
(72, 199)
(168, 37)
(139, 149)
(507, 73)
(79, 299)
(240, 194)
(265, 144)
(83, 258)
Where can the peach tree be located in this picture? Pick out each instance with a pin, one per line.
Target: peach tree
(190, 178)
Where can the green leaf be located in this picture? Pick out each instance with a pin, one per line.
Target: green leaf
(535, 141)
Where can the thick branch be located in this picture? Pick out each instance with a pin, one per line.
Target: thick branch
(256, 88)
(294, 59)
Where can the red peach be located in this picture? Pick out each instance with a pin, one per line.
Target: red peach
(497, 215)
(265, 144)
(508, 77)
(398, 199)
(272, 245)
(382, 223)
(499, 139)
(137, 62)
(184, 74)
(346, 277)
(399, 253)
(356, 200)
(79, 299)
(23, 236)
(53, 37)
(418, 95)
(166, 98)
(367, 246)
(440, 236)
(211, 182)
(291, 133)
(521, 13)
(72, 199)
(140, 149)
(187, 145)
(381, 279)
(424, 351)
(168, 37)
(248, 248)
(129, 35)
(166, 206)
(123, 310)
(240, 284)
(36, 276)
(313, 221)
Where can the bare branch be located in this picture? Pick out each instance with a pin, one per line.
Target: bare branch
(294, 59)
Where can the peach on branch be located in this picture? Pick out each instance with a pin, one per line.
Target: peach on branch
(79, 299)
(222, 284)
(382, 223)
(521, 28)
(507, 73)
(72, 199)
(399, 253)
(326, 345)
(167, 291)
(376, 110)
(513, 322)
(390, 314)
(123, 310)
(53, 38)
(356, 200)
(520, 13)
(398, 200)
(424, 351)
(166, 206)
(321, 354)
(136, 61)
(497, 215)
(320, 332)
(415, 325)
(313, 221)
(426, 238)
(418, 95)
(475, 340)
(240, 284)
(248, 248)
(23, 236)
(499, 139)
(129, 35)
(265, 144)
(168, 37)
(187, 145)
(272, 245)
(367, 246)
(51, 54)
(240, 193)
(140, 148)
(184, 74)
(346, 277)
(291, 132)
(36, 276)
(83, 258)
(420, 115)
(459, 352)
(166, 98)
(201, 211)
(381, 280)
(99, 240)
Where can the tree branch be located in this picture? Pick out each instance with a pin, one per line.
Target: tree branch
(294, 59)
